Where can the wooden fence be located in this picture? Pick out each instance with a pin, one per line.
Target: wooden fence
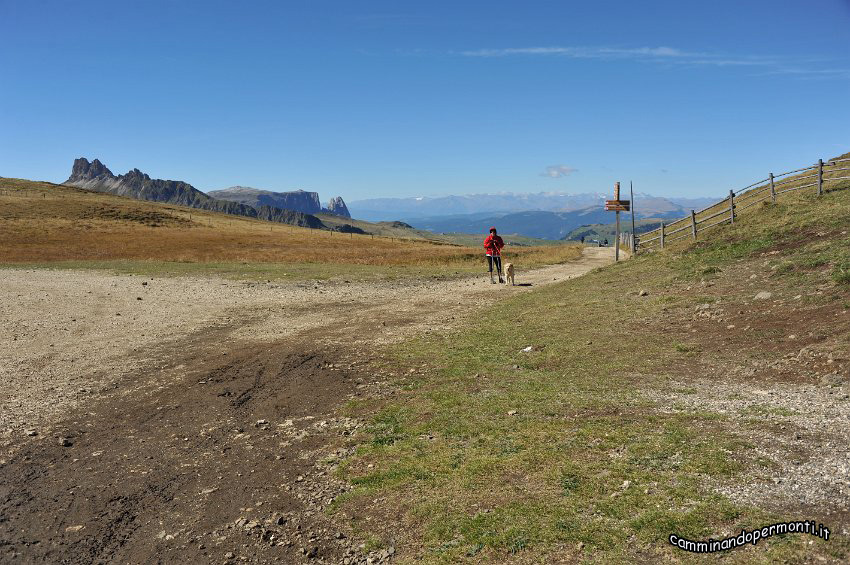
(726, 210)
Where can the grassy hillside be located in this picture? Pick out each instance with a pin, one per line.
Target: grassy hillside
(55, 225)
(697, 407)
(750, 201)
(608, 231)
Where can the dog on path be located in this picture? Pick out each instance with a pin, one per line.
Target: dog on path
(509, 273)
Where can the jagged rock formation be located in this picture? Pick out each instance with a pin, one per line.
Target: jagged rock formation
(298, 200)
(397, 224)
(337, 206)
(136, 184)
(348, 228)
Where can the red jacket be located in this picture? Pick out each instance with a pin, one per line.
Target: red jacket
(493, 244)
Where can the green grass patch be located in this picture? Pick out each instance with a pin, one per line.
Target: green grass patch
(841, 273)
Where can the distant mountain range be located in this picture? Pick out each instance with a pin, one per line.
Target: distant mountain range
(299, 200)
(381, 209)
(575, 211)
(96, 176)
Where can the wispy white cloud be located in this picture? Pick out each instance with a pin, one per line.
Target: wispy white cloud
(670, 55)
(580, 52)
(557, 171)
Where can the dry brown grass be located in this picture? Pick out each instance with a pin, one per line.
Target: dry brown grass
(44, 223)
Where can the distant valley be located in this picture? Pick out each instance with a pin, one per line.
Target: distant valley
(557, 216)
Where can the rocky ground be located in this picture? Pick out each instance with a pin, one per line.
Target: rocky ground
(771, 358)
(197, 420)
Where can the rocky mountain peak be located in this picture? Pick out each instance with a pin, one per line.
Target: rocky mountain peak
(137, 174)
(337, 206)
(83, 170)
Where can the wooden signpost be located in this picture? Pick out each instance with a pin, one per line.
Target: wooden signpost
(632, 200)
(616, 205)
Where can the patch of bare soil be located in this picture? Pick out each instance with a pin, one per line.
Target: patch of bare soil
(230, 461)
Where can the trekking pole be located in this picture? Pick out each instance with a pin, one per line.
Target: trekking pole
(501, 268)
(492, 262)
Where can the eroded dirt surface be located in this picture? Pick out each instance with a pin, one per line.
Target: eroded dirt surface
(225, 462)
(203, 424)
(772, 359)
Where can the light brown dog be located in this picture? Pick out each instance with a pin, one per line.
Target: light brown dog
(509, 273)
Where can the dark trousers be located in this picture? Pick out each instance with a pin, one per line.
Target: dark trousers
(497, 260)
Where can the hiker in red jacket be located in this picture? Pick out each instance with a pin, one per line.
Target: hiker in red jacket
(493, 246)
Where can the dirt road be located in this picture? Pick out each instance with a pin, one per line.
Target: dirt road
(196, 419)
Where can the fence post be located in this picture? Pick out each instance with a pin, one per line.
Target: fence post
(694, 223)
(820, 177)
(772, 189)
(662, 235)
(731, 206)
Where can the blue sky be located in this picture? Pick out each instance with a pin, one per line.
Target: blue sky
(397, 98)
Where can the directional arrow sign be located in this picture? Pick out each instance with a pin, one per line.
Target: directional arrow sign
(617, 205)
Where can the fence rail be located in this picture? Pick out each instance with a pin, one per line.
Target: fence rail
(824, 172)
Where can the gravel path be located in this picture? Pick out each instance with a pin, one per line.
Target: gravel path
(805, 451)
(67, 335)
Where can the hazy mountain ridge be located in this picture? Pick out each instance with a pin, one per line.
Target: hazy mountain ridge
(420, 208)
(547, 224)
(379, 209)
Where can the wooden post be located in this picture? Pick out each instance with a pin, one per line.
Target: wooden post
(662, 235)
(632, 208)
(820, 177)
(694, 224)
(617, 237)
(731, 207)
(772, 189)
